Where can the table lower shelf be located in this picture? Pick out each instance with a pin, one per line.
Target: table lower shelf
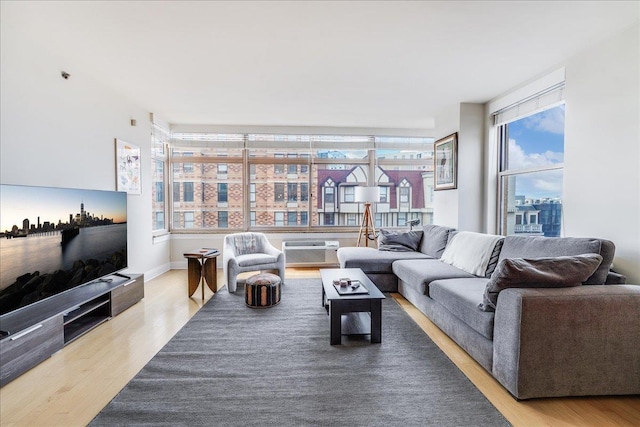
(356, 324)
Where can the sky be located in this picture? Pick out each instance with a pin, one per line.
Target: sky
(52, 204)
(536, 141)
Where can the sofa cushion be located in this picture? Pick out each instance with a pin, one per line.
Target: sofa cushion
(537, 247)
(551, 272)
(399, 241)
(248, 260)
(419, 273)
(434, 240)
(371, 260)
(461, 297)
(470, 251)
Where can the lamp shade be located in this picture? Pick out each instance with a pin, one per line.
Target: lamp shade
(367, 194)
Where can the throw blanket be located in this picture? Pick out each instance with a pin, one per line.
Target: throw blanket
(470, 251)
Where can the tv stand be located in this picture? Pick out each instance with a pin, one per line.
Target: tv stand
(37, 331)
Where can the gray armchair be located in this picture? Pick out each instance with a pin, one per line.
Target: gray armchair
(249, 252)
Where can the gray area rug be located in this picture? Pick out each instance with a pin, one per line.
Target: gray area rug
(231, 365)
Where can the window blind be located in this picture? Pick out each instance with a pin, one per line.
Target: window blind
(534, 104)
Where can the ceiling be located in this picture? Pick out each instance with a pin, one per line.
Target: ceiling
(364, 64)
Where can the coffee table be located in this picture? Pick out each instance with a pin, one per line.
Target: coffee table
(355, 307)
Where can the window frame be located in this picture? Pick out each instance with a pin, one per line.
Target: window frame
(502, 136)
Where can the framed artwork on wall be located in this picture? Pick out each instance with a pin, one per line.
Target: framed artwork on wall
(446, 163)
(127, 167)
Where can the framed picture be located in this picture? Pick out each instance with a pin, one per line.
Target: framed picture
(446, 163)
(127, 167)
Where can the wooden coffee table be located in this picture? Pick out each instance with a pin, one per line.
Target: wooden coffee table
(355, 307)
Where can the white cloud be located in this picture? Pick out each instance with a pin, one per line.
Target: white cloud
(518, 159)
(551, 120)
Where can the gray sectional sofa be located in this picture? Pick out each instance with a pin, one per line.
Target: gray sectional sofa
(563, 335)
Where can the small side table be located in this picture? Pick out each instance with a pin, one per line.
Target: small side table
(201, 266)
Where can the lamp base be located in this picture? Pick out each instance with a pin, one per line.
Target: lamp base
(366, 228)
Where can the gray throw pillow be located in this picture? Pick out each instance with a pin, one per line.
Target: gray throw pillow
(552, 272)
(406, 241)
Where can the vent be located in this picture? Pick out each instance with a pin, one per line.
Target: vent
(311, 252)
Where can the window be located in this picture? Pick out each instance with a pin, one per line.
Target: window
(207, 188)
(159, 220)
(292, 169)
(223, 219)
(531, 167)
(328, 219)
(329, 195)
(188, 191)
(187, 167)
(278, 218)
(384, 194)
(278, 168)
(278, 191)
(252, 193)
(304, 182)
(222, 193)
(176, 191)
(292, 218)
(292, 192)
(159, 193)
(402, 219)
(404, 175)
(159, 139)
(349, 194)
(188, 220)
(404, 194)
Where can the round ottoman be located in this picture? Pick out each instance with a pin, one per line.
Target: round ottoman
(262, 290)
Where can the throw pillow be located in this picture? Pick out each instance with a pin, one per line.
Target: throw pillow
(470, 251)
(552, 272)
(397, 241)
(245, 244)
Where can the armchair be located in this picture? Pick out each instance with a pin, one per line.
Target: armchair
(249, 252)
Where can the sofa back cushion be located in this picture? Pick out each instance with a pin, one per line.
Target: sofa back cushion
(538, 247)
(434, 239)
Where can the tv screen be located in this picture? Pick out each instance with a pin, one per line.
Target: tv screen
(55, 239)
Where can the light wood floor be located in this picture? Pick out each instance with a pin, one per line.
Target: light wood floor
(72, 386)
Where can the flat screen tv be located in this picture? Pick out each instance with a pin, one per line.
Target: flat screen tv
(55, 239)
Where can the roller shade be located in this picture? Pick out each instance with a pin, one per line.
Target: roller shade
(539, 102)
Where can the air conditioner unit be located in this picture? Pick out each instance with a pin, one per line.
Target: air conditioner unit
(311, 252)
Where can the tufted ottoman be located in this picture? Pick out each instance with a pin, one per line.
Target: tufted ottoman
(262, 290)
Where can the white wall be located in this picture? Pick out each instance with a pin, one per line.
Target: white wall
(602, 147)
(463, 208)
(60, 133)
(445, 202)
(471, 167)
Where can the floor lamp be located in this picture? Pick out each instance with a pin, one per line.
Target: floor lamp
(367, 195)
